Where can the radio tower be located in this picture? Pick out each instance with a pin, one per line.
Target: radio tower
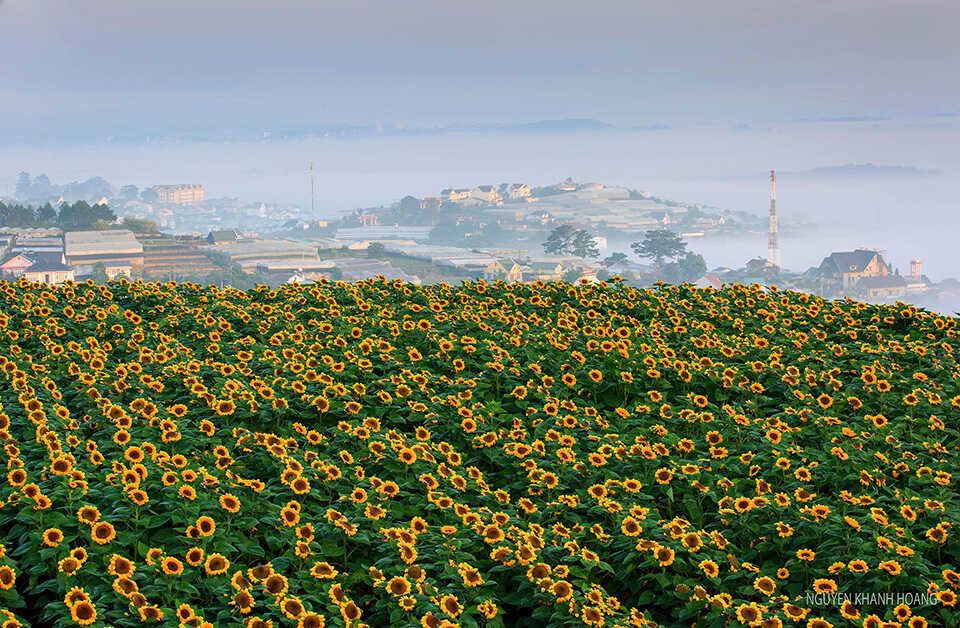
(773, 242)
(312, 192)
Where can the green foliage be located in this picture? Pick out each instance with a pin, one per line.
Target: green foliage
(99, 273)
(79, 215)
(568, 239)
(614, 258)
(140, 225)
(690, 267)
(660, 245)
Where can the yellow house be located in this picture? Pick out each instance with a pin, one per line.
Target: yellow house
(455, 195)
(544, 271)
(518, 191)
(485, 193)
(507, 270)
(844, 269)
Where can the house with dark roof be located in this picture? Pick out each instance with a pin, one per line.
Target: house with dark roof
(38, 266)
(49, 271)
(842, 270)
(222, 236)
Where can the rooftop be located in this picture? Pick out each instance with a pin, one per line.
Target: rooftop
(847, 261)
(265, 249)
(98, 242)
(393, 232)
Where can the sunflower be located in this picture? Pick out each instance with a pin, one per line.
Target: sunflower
(692, 541)
(276, 585)
(892, 567)
(450, 605)
(398, 586)
(709, 568)
(67, 566)
(206, 526)
(74, 596)
(311, 620)
(83, 613)
(323, 571)
(102, 532)
(562, 590)
(663, 476)
(52, 537)
(289, 516)
(292, 607)
(194, 556)
(243, 601)
(88, 515)
(120, 566)
(230, 502)
(171, 566)
(350, 612)
(79, 554)
(749, 614)
(592, 616)
(216, 564)
(664, 556)
(858, 566)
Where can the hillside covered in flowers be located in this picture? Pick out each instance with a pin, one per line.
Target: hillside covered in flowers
(484, 455)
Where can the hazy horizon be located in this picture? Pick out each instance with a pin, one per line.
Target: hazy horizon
(111, 68)
(145, 94)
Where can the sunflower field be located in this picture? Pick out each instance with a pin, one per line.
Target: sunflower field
(384, 454)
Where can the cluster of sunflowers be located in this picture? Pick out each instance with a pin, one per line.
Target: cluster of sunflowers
(380, 454)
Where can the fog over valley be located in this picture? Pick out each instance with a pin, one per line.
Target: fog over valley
(684, 107)
(718, 165)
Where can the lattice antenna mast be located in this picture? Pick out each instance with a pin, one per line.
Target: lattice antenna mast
(773, 240)
(313, 192)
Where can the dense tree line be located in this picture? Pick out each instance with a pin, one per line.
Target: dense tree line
(40, 188)
(79, 215)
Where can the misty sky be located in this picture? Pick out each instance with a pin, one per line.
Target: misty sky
(127, 67)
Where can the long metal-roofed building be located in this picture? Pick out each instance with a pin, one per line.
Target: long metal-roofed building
(115, 245)
(24, 244)
(248, 254)
(445, 255)
(395, 232)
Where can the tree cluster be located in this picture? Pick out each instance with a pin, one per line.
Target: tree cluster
(661, 245)
(40, 188)
(569, 239)
(79, 215)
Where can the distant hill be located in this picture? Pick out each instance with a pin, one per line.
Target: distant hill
(867, 170)
(563, 125)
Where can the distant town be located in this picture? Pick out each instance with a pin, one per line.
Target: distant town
(514, 232)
